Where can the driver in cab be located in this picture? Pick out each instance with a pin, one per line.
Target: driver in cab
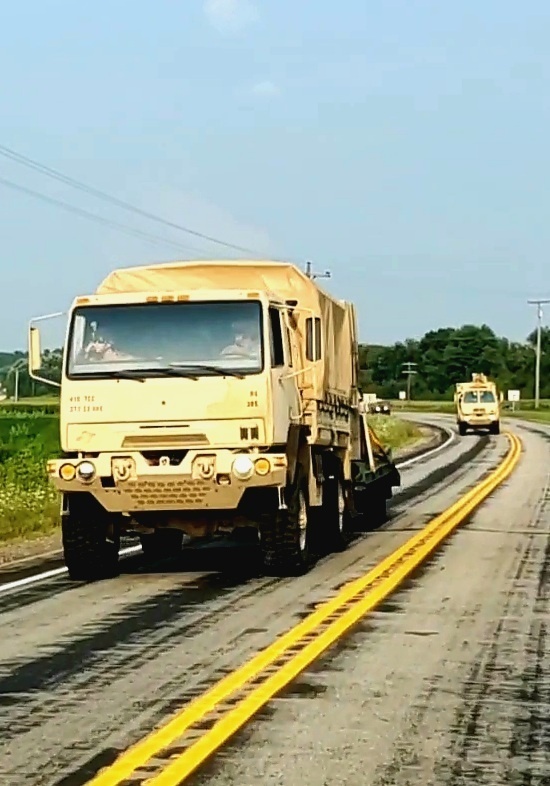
(246, 342)
(102, 348)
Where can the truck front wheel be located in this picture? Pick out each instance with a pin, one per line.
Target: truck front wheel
(285, 535)
(495, 427)
(91, 540)
(462, 428)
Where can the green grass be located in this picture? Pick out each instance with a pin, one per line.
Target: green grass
(45, 404)
(527, 409)
(538, 416)
(35, 400)
(29, 505)
(527, 405)
(393, 432)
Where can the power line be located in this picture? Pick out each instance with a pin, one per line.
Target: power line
(93, 216)
(36, 165)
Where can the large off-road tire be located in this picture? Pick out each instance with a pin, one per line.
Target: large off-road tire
(495, 427)
(285, 535)
(90, 540)
(333, 518)
(162, 544)
(462, 428)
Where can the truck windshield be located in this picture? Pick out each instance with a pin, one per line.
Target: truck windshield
(487, 397)
(470, 397)
(206, 337)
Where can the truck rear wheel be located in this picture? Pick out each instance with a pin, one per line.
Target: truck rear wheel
(333, 522)
(90, 540)
(285, 536)
(161, 544)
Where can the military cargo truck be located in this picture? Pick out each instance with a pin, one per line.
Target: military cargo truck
(477, 405)
(207, 398)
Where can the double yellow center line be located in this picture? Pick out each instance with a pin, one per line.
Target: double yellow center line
(169, 755)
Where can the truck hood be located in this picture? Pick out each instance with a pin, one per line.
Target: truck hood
(100, 415)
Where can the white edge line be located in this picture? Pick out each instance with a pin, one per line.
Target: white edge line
(451, 437)
(50, 574)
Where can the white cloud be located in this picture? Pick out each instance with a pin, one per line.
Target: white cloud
(230, 16)
(266, 88)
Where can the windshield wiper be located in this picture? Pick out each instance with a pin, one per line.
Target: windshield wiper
(127, 374)
(174, 371)
(223, 372)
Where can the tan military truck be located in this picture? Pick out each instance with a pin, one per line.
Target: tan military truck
(210, 397)
(477, 405)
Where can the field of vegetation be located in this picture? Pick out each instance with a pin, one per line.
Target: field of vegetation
(28, 505)
(393, 432)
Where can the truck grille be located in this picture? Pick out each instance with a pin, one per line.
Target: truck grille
(178, 492)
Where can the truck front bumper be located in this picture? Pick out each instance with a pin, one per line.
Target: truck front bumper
(127, 483)
(480, 421)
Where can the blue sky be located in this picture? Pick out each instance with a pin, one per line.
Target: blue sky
(401, 143)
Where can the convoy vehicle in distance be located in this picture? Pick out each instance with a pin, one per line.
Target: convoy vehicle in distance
(477, 405)
(376, 406)
(208, 397)
(379, 407)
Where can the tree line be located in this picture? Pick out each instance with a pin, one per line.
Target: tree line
(14, 373)
(443, 357)
(449, 355)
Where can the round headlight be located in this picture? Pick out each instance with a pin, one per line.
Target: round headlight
(262, 466)
(67, 472)
(85, 470)
(243, 467)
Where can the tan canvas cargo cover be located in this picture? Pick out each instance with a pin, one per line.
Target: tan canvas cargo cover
(337, 374)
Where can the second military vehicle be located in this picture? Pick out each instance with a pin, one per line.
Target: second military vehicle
(477, 405)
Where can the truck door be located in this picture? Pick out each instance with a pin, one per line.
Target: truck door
(286, 401)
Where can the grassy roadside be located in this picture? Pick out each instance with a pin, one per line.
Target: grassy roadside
(528, 412)
(393, 432)
(28, 504)
(540, 416)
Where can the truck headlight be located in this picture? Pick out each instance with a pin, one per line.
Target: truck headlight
(243, 468)
(67, 472)
(85, 470)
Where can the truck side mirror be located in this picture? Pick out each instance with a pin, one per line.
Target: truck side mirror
(35, 352)
(501, 397)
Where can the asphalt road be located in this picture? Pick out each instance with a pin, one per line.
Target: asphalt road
(447, 684)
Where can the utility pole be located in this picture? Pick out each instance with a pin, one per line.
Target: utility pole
(539, 304)
(310, 274)
(16, 369)
(408, 370)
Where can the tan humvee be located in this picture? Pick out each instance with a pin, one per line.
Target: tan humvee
(477, 405)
